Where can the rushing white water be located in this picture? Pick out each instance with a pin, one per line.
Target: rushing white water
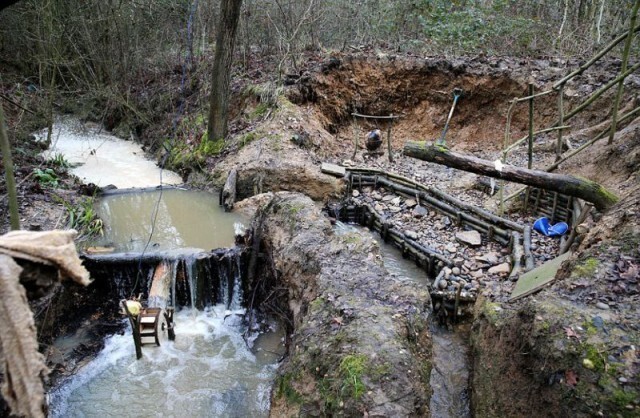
(104, 159)
(206, 372)
(167, 219)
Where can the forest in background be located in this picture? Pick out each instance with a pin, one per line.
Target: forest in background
(81, 45)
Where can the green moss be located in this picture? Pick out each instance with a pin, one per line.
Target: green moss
(587, 268)
(379, 371)
(589, 328)
(247, 138)
(260, 110)
(286, 390)
(491, 311)
(592, 353)
(622, 398)
(441, 147)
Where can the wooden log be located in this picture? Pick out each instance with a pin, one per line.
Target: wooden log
(573, 186)
(517, 252)
(229, 190)
(526, 243)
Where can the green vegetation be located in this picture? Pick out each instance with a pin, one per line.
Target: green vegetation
(594, 355)
(84, 219)
(351, 370)
(59, 161)
(286, 390)
(587, 268)
(247, 138)
(46, 177)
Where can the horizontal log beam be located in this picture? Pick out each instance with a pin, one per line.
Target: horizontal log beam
(570, 185)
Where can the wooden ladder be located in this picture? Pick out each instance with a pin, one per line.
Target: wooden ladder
(148, 324)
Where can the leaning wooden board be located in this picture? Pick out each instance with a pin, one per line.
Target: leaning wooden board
(536, 279)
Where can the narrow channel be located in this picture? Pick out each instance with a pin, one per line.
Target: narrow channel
(450, 372)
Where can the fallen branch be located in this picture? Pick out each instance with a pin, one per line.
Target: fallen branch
(569, 185)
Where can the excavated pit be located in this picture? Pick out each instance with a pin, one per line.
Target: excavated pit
(421, 92)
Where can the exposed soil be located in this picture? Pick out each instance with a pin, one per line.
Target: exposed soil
(279, 147)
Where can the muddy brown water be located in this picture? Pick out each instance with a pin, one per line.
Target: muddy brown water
(450, 372)
(168, 219)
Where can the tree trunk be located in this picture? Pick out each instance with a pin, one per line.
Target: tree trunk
(8, 173)
(221, 77)
(565, 184)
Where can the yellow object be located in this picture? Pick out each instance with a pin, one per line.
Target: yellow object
(134, 307)
(587, 363)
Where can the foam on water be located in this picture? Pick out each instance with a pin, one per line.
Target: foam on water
(207, 371)
(104, 159)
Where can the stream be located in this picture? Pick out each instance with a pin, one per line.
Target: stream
(209, 370)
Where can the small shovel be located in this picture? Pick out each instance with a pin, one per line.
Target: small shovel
(457, 92)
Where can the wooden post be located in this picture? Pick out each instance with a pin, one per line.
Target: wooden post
(389, 137)
(229, 190)
(530, 147)
(168, 316)
(560, 121)
(356, 133)
(135, 328)
(623, 69)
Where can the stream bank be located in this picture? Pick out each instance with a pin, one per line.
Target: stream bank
(361, 342)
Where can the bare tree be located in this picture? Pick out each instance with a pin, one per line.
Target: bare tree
(221, 77)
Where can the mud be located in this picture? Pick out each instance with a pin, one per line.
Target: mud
(361, 342)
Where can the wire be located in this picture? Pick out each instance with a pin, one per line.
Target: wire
(168, 151)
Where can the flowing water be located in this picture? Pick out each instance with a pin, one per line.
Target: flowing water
(104, 159)
(450, 373)
(208, 371)
(165, 219)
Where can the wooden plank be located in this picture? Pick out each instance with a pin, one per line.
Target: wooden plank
(537, 278)
(333, 169)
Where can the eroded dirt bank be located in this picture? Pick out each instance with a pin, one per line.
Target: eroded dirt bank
(361, 343)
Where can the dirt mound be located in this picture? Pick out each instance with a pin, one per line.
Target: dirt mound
(420, 91)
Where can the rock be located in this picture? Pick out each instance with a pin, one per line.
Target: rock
(455, 270)
(503, 268)
(355, 193)
(410, 203)
(477, 274)
(376, 196)
(379, 208)
(419, 212)
(452, 248)
(388, 198)
(395, 201)
(598, 322)
(411, 234)
(395, 209)
(603, 306)
(491, 258)
(442, 284)
(471, 238)
(446, 220)
(447, 272)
